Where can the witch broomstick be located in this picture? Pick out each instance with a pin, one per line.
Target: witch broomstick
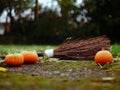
(77, 49)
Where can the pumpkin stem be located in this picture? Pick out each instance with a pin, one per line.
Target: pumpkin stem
(100, 65)
(103, 48)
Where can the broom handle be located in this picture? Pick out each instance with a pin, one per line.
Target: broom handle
(40, 53)
(2, 56)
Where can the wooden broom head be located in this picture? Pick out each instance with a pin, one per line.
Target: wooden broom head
(82, 49)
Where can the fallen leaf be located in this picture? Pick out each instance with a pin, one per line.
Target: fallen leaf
(3, 69)
(108, 78)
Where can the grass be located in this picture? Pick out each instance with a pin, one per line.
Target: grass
(115, 49)
(85, 75)
(17, 48)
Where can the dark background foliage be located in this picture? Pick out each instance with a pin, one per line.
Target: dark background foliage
(99, 17)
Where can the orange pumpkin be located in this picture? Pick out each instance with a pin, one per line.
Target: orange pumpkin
(102, 57)
(29, 56)
(14, 59)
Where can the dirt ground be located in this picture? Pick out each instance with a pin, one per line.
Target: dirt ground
(70, 69)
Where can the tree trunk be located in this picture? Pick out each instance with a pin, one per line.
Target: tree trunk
(9, 15)
(10, 12)
(36, 10)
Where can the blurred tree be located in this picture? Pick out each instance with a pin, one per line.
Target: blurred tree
(105, 16)
(76, 16)
(14, 8)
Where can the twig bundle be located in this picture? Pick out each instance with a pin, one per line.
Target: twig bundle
(82, 49)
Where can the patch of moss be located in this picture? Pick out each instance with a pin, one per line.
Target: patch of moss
(67, 64)
(25, 82)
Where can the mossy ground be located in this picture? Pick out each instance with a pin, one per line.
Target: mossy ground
(55, 74)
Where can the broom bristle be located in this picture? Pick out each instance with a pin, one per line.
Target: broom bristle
(82, 49)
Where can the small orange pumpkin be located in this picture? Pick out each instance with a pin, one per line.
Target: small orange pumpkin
(29, 56)
(103, 57)
(14, 59)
